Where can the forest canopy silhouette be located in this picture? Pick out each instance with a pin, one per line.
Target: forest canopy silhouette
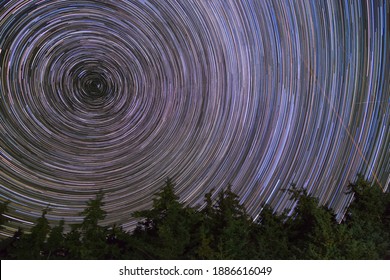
(220, 230)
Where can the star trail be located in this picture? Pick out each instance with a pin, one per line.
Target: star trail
(119, 95)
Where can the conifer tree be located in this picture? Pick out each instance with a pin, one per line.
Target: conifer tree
(93, 236)
(226, 222)
(367, 221)
(55, 245)
(165, 231)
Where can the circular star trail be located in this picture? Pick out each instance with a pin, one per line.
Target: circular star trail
(119, 95)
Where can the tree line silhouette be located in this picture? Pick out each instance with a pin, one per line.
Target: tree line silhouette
(221, 230)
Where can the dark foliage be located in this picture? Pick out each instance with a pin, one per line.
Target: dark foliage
(221, 230)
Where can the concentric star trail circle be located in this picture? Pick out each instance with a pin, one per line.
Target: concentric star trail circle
(118, 95)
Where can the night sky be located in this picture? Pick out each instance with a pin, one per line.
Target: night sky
(119, 95)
